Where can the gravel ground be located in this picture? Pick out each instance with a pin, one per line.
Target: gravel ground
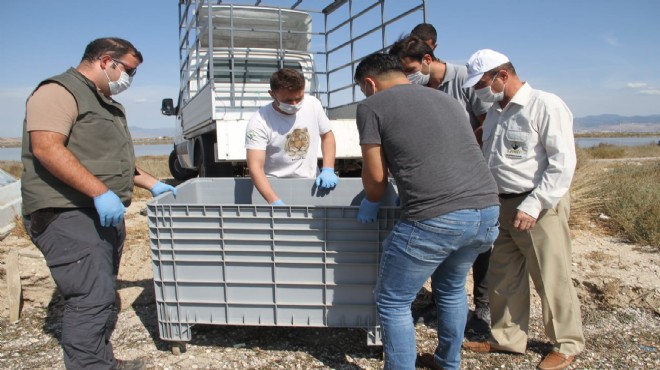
(623, 338)
(617, 283)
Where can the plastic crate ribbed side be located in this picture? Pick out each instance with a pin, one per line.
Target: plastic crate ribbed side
(313, 266)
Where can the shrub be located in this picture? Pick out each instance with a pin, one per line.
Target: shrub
(582, 157)
(606, 151)
(586, 198)
(633, 201)
(640, 151)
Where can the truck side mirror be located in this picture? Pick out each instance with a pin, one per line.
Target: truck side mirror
(167, 107)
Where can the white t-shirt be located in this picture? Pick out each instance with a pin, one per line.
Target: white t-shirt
(291, 142)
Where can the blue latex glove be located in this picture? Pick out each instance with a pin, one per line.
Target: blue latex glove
(278, 202)
(327, 178)
(368, 211)
(110, 209)
(160, 188)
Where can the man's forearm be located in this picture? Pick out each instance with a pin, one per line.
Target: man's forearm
(263, 186)
(374, 172)
(60, 162)
(328, 149)
(144, 179)
(373, 188)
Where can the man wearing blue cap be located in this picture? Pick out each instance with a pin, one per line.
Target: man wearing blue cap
(529, 147)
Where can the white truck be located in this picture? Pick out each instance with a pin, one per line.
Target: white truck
(228, 50)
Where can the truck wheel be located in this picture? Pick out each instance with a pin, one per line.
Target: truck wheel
(177, 171)
(206, 164)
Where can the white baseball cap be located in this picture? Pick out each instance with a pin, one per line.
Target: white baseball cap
(480, 62)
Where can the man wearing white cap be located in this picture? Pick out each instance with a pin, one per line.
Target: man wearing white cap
(529, 147)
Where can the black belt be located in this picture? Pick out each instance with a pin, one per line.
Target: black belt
(513, 195)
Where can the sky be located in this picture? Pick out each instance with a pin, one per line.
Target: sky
(599, 56)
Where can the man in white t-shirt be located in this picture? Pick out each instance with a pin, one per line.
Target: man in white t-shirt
(282, 138)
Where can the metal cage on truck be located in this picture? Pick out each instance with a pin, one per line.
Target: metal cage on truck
(227, 51)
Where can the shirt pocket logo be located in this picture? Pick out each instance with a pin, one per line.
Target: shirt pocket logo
(516, 144)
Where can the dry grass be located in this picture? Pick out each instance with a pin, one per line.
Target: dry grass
(156, 166)
(586, 200)
(19, 230)
(626, 192)
(634, 201)
(598, 256)
(605, 151)
(652, 150)
(609, 151)
(14, 168)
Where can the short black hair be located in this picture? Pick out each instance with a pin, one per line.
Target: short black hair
(411, 47)
(287, 79)
(377, 64)
(113, 46)
(425, 31)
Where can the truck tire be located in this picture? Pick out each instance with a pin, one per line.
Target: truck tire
(177, 171)
(205, 161)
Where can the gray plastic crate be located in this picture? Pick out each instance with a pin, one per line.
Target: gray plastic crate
(222, 256)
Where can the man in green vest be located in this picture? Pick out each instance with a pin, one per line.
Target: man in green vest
(79, 173)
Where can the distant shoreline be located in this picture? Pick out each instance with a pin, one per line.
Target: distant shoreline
(615, 134)
(15, 142)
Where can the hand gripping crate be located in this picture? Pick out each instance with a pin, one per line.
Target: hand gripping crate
(223, 256)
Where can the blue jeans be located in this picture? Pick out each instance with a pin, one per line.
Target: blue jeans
(444, 248)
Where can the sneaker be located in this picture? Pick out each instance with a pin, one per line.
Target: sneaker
(138, 364)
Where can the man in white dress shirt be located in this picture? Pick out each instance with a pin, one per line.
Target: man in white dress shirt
(529, 147)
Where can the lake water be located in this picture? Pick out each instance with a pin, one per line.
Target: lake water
(14, 154)
(588, 142)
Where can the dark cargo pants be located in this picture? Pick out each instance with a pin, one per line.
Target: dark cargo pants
(83, 258)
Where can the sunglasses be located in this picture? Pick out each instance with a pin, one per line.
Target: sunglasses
(130, 71)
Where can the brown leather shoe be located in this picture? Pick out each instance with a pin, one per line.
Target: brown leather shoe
(481, 347)
(427, 360)
(555, 361)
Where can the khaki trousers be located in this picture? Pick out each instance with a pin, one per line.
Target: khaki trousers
(544, 254)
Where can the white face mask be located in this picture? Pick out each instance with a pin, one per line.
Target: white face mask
(418, 78)
(123, 83)
(290, 108)
(487, 95)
